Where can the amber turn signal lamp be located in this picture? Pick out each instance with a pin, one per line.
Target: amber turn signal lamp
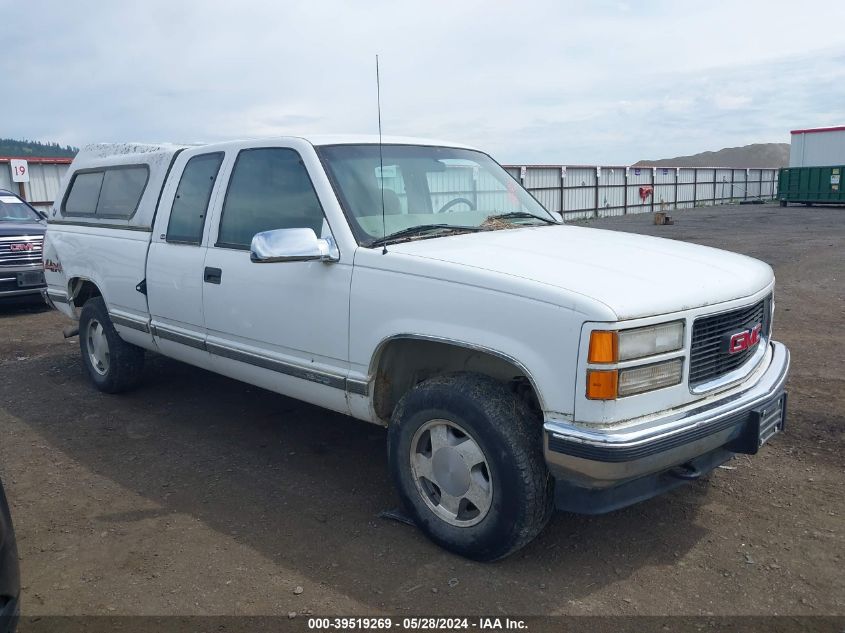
(601, 384)
(604, 347)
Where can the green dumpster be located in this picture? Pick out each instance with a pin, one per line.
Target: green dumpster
(811, 185)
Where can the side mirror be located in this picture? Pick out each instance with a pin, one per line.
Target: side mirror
(292, 245)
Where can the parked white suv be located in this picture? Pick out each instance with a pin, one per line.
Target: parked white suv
(518, 363)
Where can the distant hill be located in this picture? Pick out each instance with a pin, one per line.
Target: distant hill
(755, 155)
(12, 147)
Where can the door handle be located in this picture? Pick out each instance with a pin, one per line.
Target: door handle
(212, 275)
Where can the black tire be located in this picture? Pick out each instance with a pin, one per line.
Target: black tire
(125, 362)
(783, 203)
(510, 439)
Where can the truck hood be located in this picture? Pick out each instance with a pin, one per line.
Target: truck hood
(12, 229)
(633, 275)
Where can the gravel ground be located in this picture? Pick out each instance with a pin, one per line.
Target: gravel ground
(196, 494)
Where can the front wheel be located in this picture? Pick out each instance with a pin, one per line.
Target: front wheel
(467, 459)
(112, 364)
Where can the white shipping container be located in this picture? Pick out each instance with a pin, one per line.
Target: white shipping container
(817, 147)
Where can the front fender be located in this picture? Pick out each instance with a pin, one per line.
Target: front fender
(538, 336)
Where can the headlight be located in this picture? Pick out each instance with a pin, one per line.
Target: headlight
(609, 384)
(651, 340)
(614, 346)
(608, 346)
(638, 379)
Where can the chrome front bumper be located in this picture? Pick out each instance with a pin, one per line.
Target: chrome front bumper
(597, 458)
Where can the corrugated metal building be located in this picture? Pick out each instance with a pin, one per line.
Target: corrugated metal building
(818, 147)
(45, 176)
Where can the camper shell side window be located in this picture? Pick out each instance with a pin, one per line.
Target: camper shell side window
(106, 192)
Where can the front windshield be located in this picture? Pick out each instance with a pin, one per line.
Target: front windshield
(426, 187)
(13, 209)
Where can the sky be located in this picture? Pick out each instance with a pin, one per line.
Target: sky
(589, 82)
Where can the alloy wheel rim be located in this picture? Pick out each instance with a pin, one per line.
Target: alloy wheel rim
(98, 347)
(451, 473)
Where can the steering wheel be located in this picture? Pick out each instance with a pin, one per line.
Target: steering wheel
(455, 201)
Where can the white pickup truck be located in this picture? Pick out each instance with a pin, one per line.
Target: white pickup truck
(518, 363)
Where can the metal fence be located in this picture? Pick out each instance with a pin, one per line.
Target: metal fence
(576, 191)
(581, 191)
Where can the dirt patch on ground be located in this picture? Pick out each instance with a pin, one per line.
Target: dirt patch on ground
(196, 494)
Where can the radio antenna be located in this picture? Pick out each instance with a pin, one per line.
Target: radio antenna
(380, 161)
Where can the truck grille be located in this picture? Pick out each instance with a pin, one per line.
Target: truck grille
(709, 358)
(20, 251)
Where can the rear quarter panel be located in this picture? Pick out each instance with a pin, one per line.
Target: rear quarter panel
(113, 259)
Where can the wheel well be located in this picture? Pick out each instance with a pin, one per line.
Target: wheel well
(81, 290)
(405, 362)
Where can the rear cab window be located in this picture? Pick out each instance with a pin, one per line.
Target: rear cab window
(111, 192)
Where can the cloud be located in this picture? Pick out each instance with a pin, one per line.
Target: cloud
(543, 81)
(731, 102)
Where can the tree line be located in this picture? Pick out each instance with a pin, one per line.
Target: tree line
(24, 148)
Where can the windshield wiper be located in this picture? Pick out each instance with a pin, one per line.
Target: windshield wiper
(516, 215)
(422, 229)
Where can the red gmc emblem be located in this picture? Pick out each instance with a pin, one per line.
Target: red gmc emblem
(744, 340)
(25, 246)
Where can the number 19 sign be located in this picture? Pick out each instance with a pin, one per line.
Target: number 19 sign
(20, 170)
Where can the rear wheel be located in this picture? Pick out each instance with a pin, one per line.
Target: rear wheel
(112, 364)
(466, 457)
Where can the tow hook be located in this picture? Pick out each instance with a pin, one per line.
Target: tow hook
(70, 331)
(686, 471)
